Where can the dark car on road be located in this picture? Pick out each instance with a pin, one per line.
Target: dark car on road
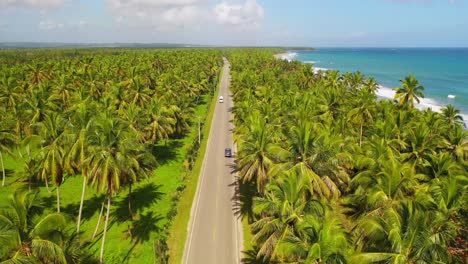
(227, 152)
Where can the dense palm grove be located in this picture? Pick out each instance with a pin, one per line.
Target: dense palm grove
(94, 114)
(338, 176)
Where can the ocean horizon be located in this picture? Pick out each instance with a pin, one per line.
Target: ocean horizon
(442, 71)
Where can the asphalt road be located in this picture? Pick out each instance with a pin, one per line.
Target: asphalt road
(214, 231)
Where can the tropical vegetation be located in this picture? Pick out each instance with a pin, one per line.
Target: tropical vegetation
(101, 138)
(330, 174)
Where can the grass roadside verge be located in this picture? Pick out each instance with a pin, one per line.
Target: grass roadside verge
(247, 235)
(178, 231)
(128, 240)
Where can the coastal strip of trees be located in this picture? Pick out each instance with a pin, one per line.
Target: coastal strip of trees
(97, 114)
(331, 175)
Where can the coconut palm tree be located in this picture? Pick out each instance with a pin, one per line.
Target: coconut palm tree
(24, 240)
(405, 236)
(62, 90)
(420, 144)
(10, 92)
(81, 118)
(452, 116)
(161, 121)
(456, 141)
(257, 151)
(7, 140)
(52, 153)
(370, 85)
(363, 113)
(37, 73)
(318, 240)
(283, 208)
(386, 186)
(410, 91)
(110, 163)
(315, 157)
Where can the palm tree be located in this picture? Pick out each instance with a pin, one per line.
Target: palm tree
(160, 121)
(7, 139)
(256, 153)
(409, 235)
(307, 77)
(420, 144)
(370, 85)
(318, 240)
(452, 116)
(52, 153)
(457, 143)
(37, 73)
(363, 113)
(388, 183)
(110, 164)
(316, 158)
(355, 80)
(287, 201)
(39, 102)
(137, 93)
(10, 92)
(81, 117)
(62, 90)
(410, 91)
(23, 240)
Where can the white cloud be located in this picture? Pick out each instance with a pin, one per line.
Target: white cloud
(159, 14)
(166, 15)
(50, 25)
(41, 4)
(144, 4)
(248, 14)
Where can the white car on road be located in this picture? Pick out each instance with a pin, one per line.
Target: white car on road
(221, 99)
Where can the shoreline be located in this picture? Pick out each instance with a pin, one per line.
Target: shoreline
(289, 56)
(382, 92)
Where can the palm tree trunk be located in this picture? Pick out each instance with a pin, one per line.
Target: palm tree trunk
(19, 152)
(101, 257)
(47, 185)
(28, 151)
(58, 199)
(130, 201)
(99, 220)
(81, 205)
(360, 137)
(3, 169)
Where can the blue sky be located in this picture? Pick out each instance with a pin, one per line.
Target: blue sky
(317, 23)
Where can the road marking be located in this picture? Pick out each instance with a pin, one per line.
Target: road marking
(237, 221)
(216, 207)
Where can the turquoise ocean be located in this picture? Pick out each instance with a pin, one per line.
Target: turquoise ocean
(442, 71)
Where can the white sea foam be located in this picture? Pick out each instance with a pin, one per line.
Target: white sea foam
(311, 62)
(425, 103)
(289, 56)
(317, 70)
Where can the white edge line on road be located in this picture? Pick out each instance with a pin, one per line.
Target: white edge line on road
(239, 235)
(194, 210)
(239, 227)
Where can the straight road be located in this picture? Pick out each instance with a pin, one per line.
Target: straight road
(214, 231)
